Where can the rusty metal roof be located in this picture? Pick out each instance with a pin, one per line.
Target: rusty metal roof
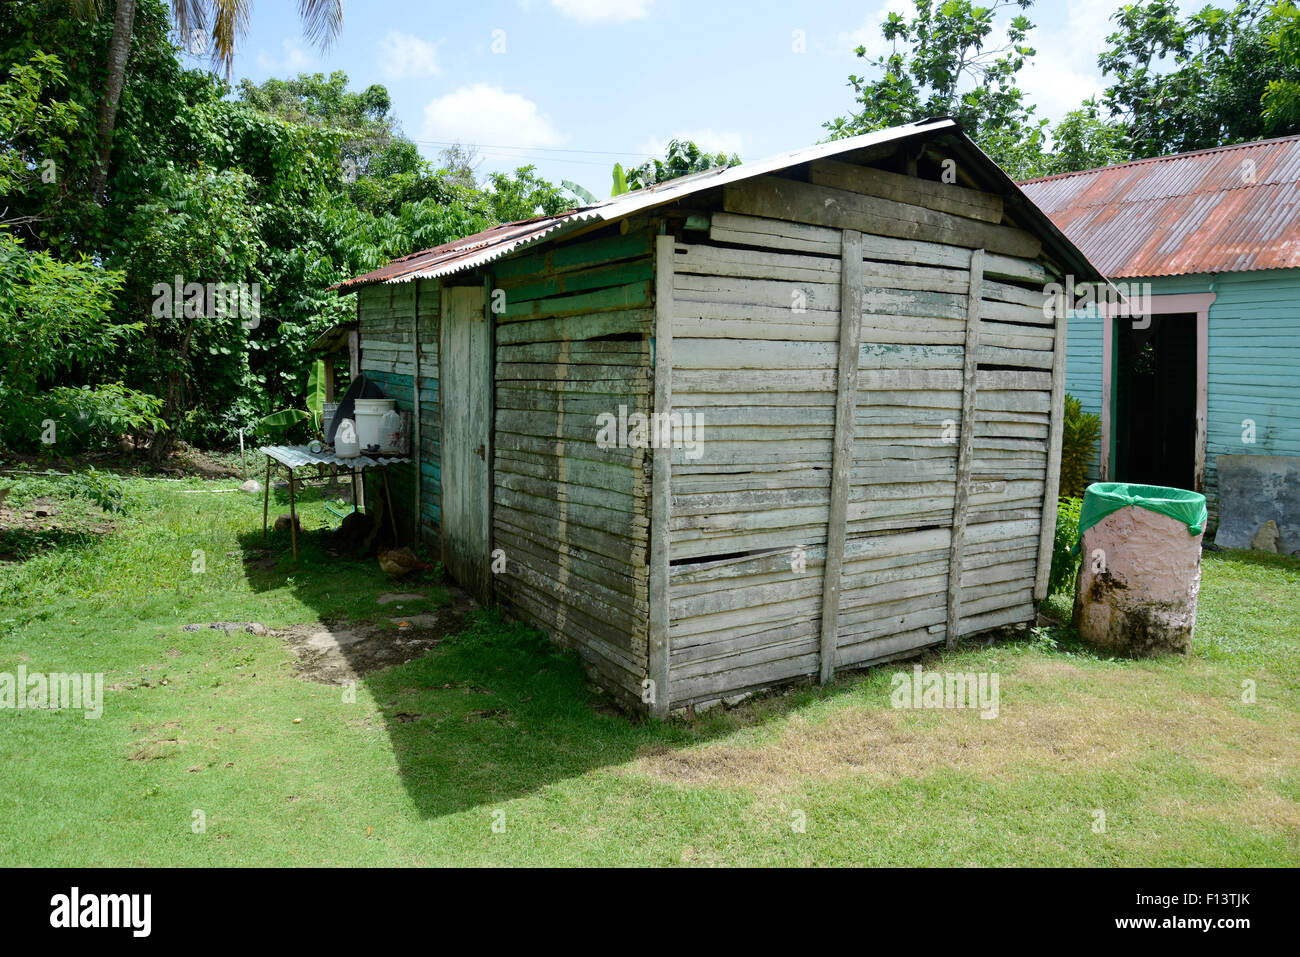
(491, 244)
(1228, 209)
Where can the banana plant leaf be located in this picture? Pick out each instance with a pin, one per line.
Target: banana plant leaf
(620, 180)
(316, 392)
(284, 419)
(580, 192)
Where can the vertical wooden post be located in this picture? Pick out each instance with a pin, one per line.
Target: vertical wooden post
(354, 370)
(966, 443)
(1055, 430)
(415, 413)
(1202, 396)
(266, 498)
(293, 517)
(846, 402)
(657, 665)
(1105, 467)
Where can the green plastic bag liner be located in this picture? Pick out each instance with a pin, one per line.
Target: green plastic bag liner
(1103, 498)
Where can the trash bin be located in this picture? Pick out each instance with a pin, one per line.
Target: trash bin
(1141, 567)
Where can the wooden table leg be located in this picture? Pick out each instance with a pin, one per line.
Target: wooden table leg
(392, 519)
(266, 497)
(293, 518)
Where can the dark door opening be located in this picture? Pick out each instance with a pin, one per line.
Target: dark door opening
(1155, 401)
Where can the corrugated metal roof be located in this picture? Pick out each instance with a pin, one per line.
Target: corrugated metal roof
(491, 244)
(1228, 209)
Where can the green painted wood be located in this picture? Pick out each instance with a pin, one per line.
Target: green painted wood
(615, 297)
(1254, 351)
(576, 255)
(618, 274)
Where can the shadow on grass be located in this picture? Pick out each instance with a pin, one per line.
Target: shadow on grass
(492, 712)
(21, 544)
(1246, 556)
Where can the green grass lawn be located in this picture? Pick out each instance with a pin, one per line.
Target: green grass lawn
(492, 750)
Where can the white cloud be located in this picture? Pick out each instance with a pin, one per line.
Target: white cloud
(294, 59)
(709, 140)
(1059, 77)
(483, 114)
(868, 35)
(406, 55)
(1064, 72)
(603, 11)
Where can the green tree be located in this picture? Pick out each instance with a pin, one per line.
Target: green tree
(214, 26)
(1085, 139)
(57, 327)
(942, 64)
(1181, 83)
(1282, 95)
(312, 99)
(33, 127)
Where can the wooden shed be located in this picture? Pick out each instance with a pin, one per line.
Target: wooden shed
(864, 393)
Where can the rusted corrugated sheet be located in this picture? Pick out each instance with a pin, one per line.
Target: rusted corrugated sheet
(1230, 209)
(492, 244)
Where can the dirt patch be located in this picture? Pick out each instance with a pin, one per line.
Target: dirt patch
(188, 460)
(337, 652)
(1117, 716)
(38, 525)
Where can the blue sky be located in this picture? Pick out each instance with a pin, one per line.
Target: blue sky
(574, 85)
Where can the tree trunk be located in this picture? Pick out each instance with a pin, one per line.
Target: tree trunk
(118, 50)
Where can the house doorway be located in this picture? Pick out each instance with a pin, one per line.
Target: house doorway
(1155, 401)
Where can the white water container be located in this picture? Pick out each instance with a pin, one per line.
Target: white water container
(392, 434)
(370, 417)
(345, 440)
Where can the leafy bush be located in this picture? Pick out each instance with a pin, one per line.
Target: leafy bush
(103, 489)
(83, 417)
(1065, 564)
(1078, 441)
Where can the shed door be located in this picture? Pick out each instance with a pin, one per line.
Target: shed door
(465, 355)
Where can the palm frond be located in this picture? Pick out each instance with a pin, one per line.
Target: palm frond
(86, 8)
(189, 15)
(229, 26)
(322, 20)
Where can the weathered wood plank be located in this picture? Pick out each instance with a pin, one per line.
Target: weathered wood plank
(842, 458)
(945, 197)
(1053, 486)
(965, 445)
(661, 486)
(779, 198)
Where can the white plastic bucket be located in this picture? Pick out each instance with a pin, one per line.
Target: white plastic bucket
(370, 417)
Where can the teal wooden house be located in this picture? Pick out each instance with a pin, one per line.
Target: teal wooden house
(1207, 246)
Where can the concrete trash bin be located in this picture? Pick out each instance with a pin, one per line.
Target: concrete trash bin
(1141, 568)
